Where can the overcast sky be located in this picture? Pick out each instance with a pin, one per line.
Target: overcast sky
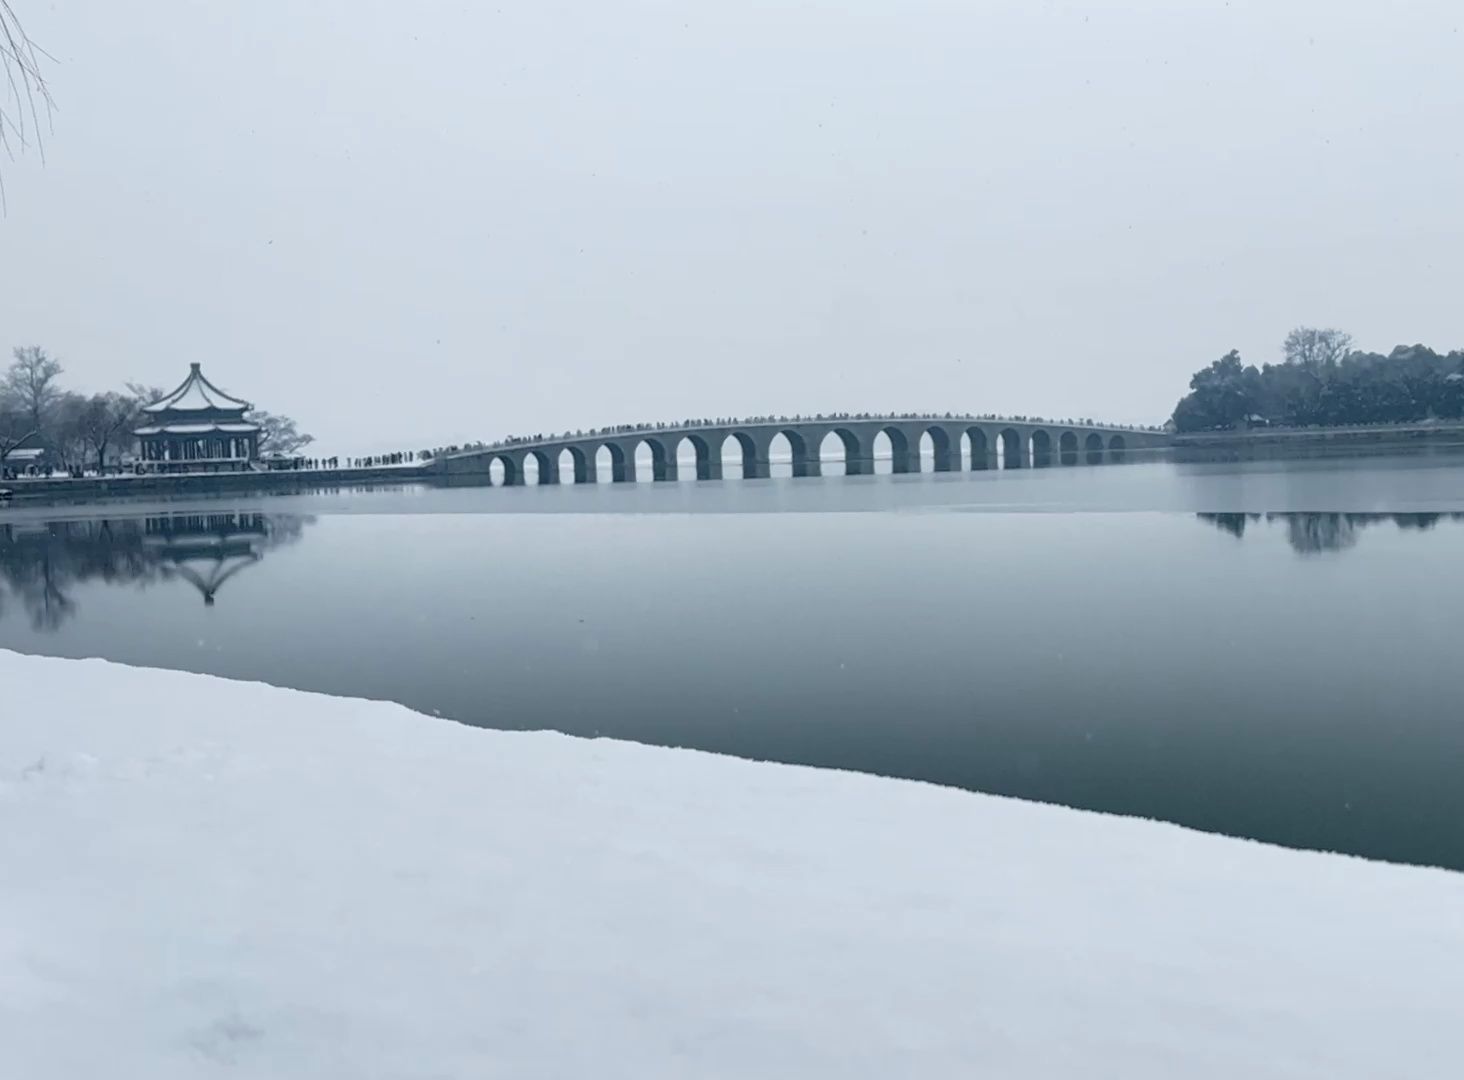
(430, 222)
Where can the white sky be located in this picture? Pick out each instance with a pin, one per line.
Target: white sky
(429, 222)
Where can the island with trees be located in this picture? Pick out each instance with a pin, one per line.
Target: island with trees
(1323, 382)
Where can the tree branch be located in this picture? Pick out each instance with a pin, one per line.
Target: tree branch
(25, 96)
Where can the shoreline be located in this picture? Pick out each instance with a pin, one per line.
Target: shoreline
(31, 491)
(330, 887)
(1381, 436)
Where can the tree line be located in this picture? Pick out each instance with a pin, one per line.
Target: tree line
(81, 430)
(1323, 381)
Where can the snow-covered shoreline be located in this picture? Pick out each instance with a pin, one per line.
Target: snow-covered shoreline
(201, 877)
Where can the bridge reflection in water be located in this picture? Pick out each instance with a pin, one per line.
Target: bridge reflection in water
(41, 563)
(954, 444)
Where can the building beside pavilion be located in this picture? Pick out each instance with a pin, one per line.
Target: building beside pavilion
(198, 428)
(25, 456)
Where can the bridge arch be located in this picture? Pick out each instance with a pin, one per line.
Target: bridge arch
(803, 459)
(1093, 448)
(652, 455)
(945, 450)
(743, 451)
(841, 451)
(904, 457)
(1011, 447)
(545, 469)
(582, 467)
(779, 454)
(708, 460)
(1041, 448)
(604, 463)
(1117, 448)
(979, 452)
(1067, 446)
(622, 463)
(504, 471)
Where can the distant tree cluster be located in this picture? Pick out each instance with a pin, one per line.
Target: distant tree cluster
(80, 431)
(1323, 381)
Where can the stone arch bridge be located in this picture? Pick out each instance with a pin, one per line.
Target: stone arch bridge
(960, 443)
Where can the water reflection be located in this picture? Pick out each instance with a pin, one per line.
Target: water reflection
(1312, 533)
(41, 563)
(1294, 698)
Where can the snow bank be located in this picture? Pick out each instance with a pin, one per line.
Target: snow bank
(203, 878)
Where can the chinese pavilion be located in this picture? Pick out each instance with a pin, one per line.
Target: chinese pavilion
(198, 428)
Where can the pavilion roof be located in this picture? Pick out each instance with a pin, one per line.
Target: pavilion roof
(201, 428)
(196, 394)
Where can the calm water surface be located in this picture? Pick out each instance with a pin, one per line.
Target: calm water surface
(1271, 650)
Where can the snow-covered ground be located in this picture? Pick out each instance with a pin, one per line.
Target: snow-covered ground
(202, 878)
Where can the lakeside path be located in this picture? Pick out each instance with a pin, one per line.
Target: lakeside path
(36, 489)
(208, 878)
(1363, 435)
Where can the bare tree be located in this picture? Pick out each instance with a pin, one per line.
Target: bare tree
(63, 432)
(28, 399)
(278, 434)
(14, 428)
(144, 394)
(104, 420)
(1311, 347)
(30, 384)
(24, 96)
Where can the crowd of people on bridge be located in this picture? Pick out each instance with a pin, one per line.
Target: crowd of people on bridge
(693, 424)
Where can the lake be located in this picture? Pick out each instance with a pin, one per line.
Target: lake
(1269, 650)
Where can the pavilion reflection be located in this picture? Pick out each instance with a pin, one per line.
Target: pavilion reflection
(1313, 533)
(42, 562)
